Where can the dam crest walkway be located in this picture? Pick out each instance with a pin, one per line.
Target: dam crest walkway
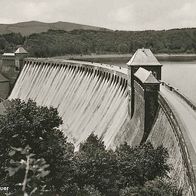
(186, 117)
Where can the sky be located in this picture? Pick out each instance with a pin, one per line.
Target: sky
(112, 14)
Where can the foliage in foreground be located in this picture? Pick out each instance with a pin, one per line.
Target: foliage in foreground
(26, 124)
(36, 159)
(156, 187)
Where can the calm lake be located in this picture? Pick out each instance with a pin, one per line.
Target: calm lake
(181, 75)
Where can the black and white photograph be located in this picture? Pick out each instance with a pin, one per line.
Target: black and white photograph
(97, 98)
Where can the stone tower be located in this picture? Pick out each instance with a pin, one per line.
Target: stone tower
(12, 64)
(143, 58)
(146, 89)
(20, 54)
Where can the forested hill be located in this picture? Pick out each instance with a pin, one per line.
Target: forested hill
(58, 42)
(30, 27)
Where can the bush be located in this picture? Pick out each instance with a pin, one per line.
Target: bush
(28, 170)
(96, 166)
(157, 187)
(88, 191)
(140, 164)
(31, 142)
(37, 126)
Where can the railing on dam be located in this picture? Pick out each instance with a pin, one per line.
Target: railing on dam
(181, 95)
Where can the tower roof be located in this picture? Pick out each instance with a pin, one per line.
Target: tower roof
(143, 57)
(145, 76)
(9, 54)
(21, 50)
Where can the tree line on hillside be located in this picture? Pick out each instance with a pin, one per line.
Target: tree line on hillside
(9, 42)
(59, 42)
(37, 159)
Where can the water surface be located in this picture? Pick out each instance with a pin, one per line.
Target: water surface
(181, 75)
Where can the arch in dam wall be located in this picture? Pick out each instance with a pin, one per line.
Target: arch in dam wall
(95, 97)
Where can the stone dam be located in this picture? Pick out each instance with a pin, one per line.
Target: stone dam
(88, 98)
(117, 104)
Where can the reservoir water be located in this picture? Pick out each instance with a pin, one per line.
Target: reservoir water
(179, 74)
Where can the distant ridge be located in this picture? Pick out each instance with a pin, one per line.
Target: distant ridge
(30, 27)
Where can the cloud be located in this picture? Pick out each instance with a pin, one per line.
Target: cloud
(114, 14)
(155, 14)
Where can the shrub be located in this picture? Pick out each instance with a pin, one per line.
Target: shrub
(140, 164)
(96, 166)
(30, 141)
(24, 124)
(157, 187)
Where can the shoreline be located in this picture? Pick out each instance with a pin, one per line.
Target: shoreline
(126, 57)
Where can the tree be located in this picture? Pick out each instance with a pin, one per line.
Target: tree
(96, 166)
(157, 187)
(25, 124)
(123, 48)
(30, 170)
(88, 191)
(36, 156)
(141, 164)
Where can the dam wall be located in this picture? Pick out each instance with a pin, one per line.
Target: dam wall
(92, 97)
(166, 131)
(137, 121)
(89, 98)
